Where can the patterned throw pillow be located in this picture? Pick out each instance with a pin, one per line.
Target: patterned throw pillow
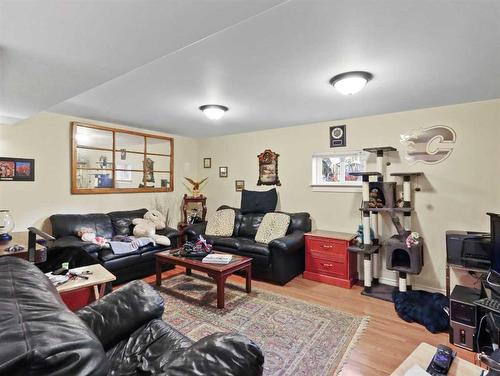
(273, 226)
(221, 223)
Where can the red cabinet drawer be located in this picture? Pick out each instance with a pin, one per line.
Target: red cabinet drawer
(335, 257)
(326, 245)
(325, 266)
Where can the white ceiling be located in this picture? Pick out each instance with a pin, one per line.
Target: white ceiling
(153, 65)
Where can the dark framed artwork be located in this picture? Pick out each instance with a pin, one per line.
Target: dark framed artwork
(223, 172)
(337, 136)
(17, 169)
(207, 162)
(268, 168)
(239, 185)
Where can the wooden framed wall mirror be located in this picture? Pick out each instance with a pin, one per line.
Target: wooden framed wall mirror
(113, 160)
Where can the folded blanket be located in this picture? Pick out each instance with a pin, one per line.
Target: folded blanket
(121, 248)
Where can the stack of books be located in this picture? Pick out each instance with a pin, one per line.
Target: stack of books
(217, 258)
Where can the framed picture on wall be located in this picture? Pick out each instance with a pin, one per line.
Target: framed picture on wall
(239, 185)
(17, 169)
(268, 168)
(207, 162)
(223, 172)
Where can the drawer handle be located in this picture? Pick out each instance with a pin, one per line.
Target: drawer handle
(327, 246)
(327, 265)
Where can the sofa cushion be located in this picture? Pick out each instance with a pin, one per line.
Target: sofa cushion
(157, 342)
(251, 246)
(257, 251)
(259, 202)
(107, 254)
(273, 226)
(122, 220)
(249, 225)
(73, 241)
(115, 316)
(70, 224)
(223, 241)
(221, 223)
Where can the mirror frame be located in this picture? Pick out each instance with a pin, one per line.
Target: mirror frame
(114, 131)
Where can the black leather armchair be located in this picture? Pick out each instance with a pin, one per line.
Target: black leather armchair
(125, 267)
(120, 334)
(279, 261)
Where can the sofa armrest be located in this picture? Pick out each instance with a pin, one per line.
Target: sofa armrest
(288, 244)
(118, 314)
(228, 354)
(170, 233)
(193, 231)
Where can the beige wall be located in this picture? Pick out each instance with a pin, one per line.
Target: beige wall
(46, 138)
(455, 194)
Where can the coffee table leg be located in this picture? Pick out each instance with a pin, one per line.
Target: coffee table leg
(158, 273)
(221, 282)
(249, 278)
(188, 271)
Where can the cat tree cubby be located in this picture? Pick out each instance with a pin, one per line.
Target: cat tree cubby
(379, 197)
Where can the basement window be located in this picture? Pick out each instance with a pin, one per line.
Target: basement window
(331, 170)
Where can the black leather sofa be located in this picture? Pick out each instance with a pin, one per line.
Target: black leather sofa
(279, 261)
(125, 267)
(120, 334)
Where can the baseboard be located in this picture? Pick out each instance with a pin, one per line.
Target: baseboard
(388, 281)
(416, 286)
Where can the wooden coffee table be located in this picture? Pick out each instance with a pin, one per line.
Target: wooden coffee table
(218, 272)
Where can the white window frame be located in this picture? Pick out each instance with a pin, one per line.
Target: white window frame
(317, 182)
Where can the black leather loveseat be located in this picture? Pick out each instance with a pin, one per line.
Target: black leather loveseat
(279, 261)
(120, 334)
(125, 267)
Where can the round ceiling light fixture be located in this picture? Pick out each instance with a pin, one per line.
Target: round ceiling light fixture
(350, 83)
(214, 111)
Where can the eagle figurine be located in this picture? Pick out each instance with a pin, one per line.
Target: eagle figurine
(195, 186)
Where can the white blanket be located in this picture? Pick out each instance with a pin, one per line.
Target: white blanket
(120, 248)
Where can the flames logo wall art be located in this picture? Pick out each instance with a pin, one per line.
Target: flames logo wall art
(429, 145)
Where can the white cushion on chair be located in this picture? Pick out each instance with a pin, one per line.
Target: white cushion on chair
(273, 226)
(221, 223)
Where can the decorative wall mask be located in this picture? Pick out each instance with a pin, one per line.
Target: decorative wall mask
(268, 168)
(429, 145)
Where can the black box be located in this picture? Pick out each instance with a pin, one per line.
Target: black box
(464, 317)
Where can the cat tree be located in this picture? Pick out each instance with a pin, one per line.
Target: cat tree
(404, 258)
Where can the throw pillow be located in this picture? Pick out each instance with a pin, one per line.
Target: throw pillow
(221, 223)
(273, 226)
(259, 202)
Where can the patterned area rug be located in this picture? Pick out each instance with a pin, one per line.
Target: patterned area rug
(297, 338)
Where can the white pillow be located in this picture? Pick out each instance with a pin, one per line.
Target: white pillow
(221, 223)
(273, 226)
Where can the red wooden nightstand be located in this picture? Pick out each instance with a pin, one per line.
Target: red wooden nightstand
(328, 260)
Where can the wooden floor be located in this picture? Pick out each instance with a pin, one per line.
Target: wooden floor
(387, 341)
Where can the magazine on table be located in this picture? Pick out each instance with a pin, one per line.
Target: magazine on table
(217, 258)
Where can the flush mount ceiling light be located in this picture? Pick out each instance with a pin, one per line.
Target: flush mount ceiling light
(214, 111)
(349, 83)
